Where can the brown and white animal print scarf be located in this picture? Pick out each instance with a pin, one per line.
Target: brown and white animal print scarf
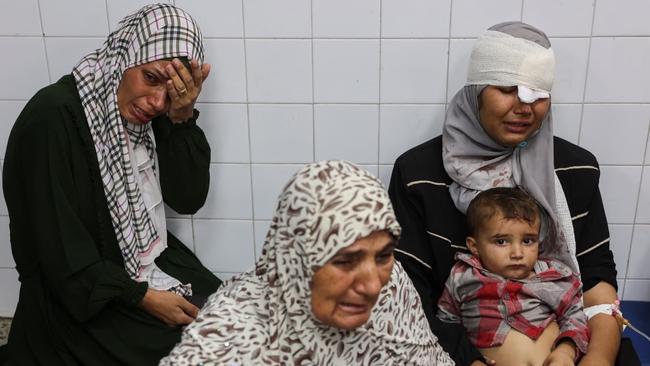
(264, 317)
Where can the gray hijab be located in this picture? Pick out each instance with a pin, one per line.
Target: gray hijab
(475, 162)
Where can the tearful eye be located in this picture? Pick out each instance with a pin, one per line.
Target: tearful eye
(150, 77)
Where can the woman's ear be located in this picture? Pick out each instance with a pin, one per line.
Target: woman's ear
(471, 245)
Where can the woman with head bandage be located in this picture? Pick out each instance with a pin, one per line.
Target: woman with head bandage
(498, 132)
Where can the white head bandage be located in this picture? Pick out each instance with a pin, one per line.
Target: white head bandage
(503, 60)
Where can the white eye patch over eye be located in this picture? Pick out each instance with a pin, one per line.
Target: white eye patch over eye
(529, 95)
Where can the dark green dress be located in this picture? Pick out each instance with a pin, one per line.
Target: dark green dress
(77, 304)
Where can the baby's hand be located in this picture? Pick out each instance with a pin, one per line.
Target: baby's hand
(562, 355)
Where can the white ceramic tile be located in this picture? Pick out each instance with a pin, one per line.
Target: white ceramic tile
(281, 133)
(261, 229)
(118, 9)
(566, 121)
(618, 70)
(268, 182)
(279, 70)
(469, 18)
(570, 69)
(637, 290)
(619, 186)
(227, 79)
(560, 17)
(620, 240)
(615, 17)
(9, 111)
(278, 18)
(385, 172)
(402, 127)
(222, 18)
(347, 132)
(346, 19)
(643, 208)
(74, 18)
(226, 128)
(459, 53)
(10, 288)
(22, 19)
(346, 71)
(638, 263)
(230, 193)
(647, 152)
(6, 258)
(616, 134)
(415, 18)
(24, 69)
(224, 245)
(413, 71)
(64, 53)
(182, 230)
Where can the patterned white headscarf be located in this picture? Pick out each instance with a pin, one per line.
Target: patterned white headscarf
(264, 317)
(155, 32)
(475, 162)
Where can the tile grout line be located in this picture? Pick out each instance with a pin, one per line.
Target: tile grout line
(248, 120)
(379, 101)
(584, 86)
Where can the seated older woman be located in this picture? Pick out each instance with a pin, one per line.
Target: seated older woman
(326, 290)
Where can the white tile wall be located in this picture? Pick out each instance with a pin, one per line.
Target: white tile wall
(6, 259)
(560, 18)
(643, 206)
(425, 18)
(346, 132)
(279, 70)
(24, 68)
(413, 71)
(618, 70)
(24, 18)
(63, 53)
(225, 245)
(469, 18)
(346, 71)
(619, 187)
(278, 18)
(631, 123)
(620, 237)
(74, 18)
(222, 18)
(570, 69)
(365, 80)
(566, 121)
(346, 19)
(281, 133)
(615, 18)
(638, 262)
(227, 79)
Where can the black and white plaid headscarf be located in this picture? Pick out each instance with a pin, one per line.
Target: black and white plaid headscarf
(155, 32)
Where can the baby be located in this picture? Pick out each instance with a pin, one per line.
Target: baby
(518, 309)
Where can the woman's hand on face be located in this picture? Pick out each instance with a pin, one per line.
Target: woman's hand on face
(169, 307)
(184, 87)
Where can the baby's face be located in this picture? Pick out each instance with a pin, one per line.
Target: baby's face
(506, 247)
